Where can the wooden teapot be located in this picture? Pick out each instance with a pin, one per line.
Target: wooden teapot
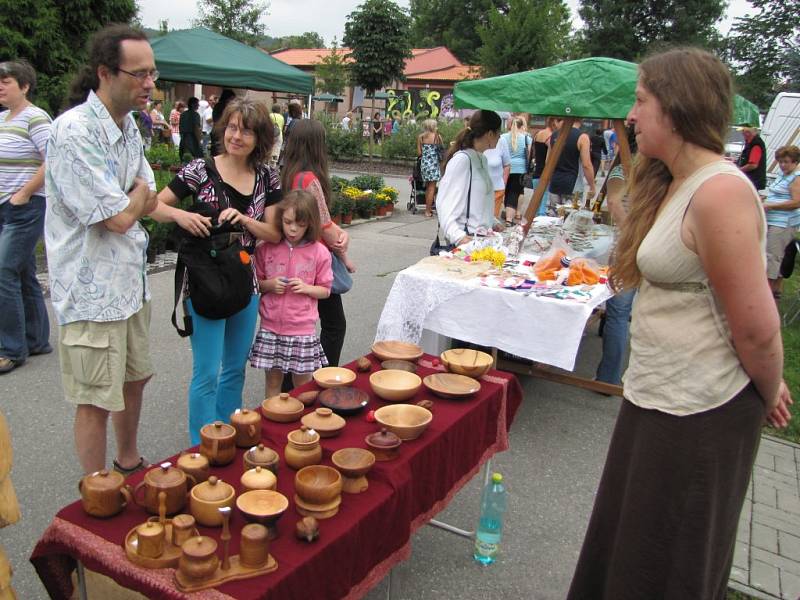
(168, 479)
(104, 493)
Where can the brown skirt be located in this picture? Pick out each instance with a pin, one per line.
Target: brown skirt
(667, 508)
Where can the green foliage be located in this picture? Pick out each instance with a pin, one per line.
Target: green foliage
(791, 360)
(402, 143)
(165, 155)
(454, 24)
(336, 206)
(345, 205)
(341, 144)
(331, 74)
(367, 182)
(627, 30)
(365, 206)
(450, 130)
(236, 19)
(52, 35)
(765, 51)
(338, 183)
(162, 179)
(377, 33)
(309, 39)
(531, 35)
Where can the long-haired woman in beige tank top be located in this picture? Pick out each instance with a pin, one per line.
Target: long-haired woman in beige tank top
(706, 358)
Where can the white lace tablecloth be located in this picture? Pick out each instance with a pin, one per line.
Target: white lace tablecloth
(545, 330)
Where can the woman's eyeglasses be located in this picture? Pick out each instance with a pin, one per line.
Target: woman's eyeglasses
(233, 128)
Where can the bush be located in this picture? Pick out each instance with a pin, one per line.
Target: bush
(164, 155)
(338, 183)
(342, 144)
(401, 144)
(367, 182)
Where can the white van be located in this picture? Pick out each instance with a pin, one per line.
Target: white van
(781, 127)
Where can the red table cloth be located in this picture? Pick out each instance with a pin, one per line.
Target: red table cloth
(356, 548)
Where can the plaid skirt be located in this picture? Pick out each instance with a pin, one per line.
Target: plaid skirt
(287, 353)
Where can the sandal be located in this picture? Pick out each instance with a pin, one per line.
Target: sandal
(140, 466)
(428, 215)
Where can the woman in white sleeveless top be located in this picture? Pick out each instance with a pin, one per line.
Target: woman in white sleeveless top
(706, 355)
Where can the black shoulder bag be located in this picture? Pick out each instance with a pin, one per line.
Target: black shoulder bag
(218, 270)
(437, 246)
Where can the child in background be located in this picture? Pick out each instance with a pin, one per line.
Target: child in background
(292, 275)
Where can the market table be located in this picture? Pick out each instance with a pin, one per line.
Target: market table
(356, 548)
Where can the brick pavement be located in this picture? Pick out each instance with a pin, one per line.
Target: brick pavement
(766, 563)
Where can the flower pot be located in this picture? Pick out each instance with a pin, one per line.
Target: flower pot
(382, 211)
(337, 219)
(174, 168)
(156, 167)
(347, 219)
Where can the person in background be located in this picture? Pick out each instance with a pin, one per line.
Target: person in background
(146, 127)
(160, 125)
(782, 207)
(216, 144)
(174, 122)
(498, 160)
(277, 120)
(208, 122)
(520, 145)
(540, 141)
(753, 159)
(706, 354)
(429, 149)
(346, 121)
(294, 116)
(597, 147)
(220, 347)
(574, 155)
(306, 167)
(190, 128)
(293, 275)
(466, 174)
(377, 128)
(99, 185)
(395, 125)
(24, 132)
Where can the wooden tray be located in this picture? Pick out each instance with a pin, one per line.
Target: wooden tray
(168, 559)
(451, 385)
(237, 571)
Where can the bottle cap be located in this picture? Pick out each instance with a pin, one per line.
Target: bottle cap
(497, 478)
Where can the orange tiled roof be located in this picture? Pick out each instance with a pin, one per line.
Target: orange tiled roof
(430, 59)
(457, 73)
(305, 57)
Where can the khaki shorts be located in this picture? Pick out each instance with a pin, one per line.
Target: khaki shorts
(97, 358)
(777, 240)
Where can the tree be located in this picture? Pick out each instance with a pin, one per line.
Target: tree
(236, 19)
(764, 49)
(454, 24)
(309, 39)
(626, 29)
(331, 73)
(52, 35)
(531, 35)
(377, 33)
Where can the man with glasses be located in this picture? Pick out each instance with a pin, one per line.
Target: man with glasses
(98, 186)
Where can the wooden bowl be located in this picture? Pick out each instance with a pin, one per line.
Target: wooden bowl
(353, 462)
(465, 361)
(396, 350)
(394, 385)
(406, 421)
(262, 506)
(400, 365)
(344, 400)
(451, 385)
(318, 484)
(333, 377)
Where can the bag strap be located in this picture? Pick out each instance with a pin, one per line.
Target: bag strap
(302, 180)
(188, 327)
(216, 181)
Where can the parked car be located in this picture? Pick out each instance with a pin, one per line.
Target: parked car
(734, 144)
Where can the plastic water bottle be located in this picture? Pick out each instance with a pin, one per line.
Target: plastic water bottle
(490, 526)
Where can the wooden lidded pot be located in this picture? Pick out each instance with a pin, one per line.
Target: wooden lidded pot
(261, 456)
(194, 464)
(384, 444)
(302, 448)
(207, 498)
(104, 493)
(247, 424)
(164, 478)
(218, 443)
(199, 558)
(259, 478)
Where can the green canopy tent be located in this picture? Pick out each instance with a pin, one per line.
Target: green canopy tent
(203, 56)
(745, 112)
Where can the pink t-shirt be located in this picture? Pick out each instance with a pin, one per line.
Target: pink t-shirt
(290, 313)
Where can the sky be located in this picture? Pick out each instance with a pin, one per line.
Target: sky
(326, 17)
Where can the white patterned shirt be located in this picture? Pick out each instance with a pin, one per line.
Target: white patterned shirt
(95, 274)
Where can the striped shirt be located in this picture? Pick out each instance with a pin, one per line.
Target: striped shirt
(779, 192)
(23, 145)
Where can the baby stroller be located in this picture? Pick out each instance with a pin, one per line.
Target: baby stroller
(417, 199)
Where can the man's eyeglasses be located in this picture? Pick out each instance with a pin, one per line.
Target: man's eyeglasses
(142, 75)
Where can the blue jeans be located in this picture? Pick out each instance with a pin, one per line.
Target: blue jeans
(615, 337)
(545, 199)
(220, 348)
(24, 326)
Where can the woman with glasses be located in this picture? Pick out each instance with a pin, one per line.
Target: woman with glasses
(24, 131)
(252, 188)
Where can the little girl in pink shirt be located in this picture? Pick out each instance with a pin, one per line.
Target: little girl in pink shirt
(292, 275)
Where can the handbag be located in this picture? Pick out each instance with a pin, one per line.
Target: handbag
(217, 268)
(437, 246)
(342, 280)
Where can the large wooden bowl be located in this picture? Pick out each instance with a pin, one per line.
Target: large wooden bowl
(318, 484)
(262, 506)
(406, 421)
(396, 350)
(451, 385)
(402, 365)
(466, 361)
(394, 385)
(344, 400)
(353, 462)
(333, 377)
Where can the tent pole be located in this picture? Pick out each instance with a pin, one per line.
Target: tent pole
(310, 115)
(624, 148)
(547, 174)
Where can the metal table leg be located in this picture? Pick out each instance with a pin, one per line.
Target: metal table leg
(82, 582)
(389, 585)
